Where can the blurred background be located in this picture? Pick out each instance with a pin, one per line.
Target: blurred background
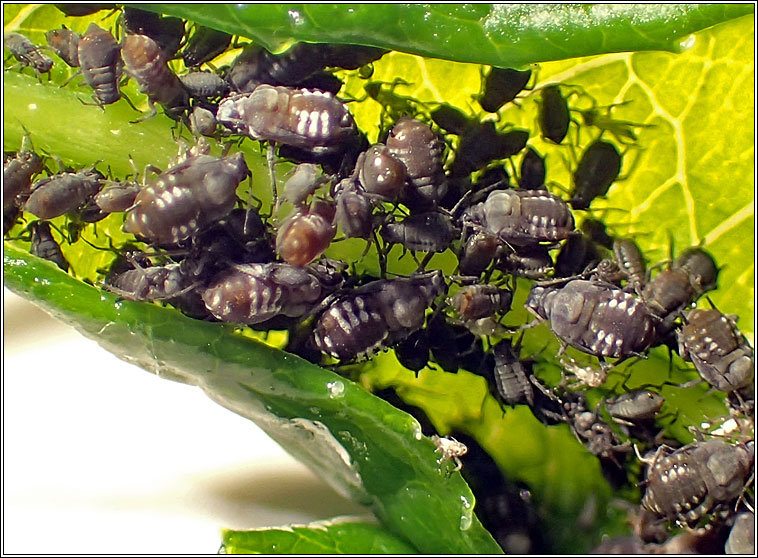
(100, 456)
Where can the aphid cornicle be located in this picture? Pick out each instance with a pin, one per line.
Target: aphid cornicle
(100, 60)
(146, 63)
(417, 146)
(696, 479)
(523, 217)
(720, 353)
(254, 293)
(62, 193)
(554, 114)
(298, 117)
(306, 233)
(186, 198)
(595, 318)
(27, 53)
(65, 43)
(204, 45)
(501, 86)
(43, 245)
(377, 315)
(598, 168)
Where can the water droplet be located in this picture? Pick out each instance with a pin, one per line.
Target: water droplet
(335, 389)
(525, 494)
(467, 514)
(296, 17)
(688, 43)
(32, 106)
(416, 429)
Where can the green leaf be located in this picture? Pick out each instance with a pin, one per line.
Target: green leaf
(505, 35)
(336, 536)
(349, 437)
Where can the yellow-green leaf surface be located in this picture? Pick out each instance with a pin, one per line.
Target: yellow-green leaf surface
(690, 176)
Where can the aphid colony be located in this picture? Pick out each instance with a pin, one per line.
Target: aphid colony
(212, 253)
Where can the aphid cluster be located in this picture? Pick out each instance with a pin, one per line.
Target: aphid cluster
(211, 252)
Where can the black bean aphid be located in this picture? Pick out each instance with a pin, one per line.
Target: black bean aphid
(304, 180)
(501, 86)
(43, 245)
(531, 261)
(667, 295)
(254, 293)
(701, 268)
(63, 193)
(419, 148)
(413, 352)
(146, 63)
(635, 405)
(27, 53)
(631, 262)
(381, 173)
(117, 196)
(353, 212)
(298, 117)
(17, 176)
(598, 167)
(472, 302)
(100, 60)
(484, 143)
(478, 252)
(697, 479)
(720, 353)
(422, 232)
(524, 217)
(554, 114)
(377, 315)
(512, 375)
(78, 10)
(532, 176)
(577, 254)
(186, 198)
(204, 45)
(595, 318)
(204, 85)
(65, 43)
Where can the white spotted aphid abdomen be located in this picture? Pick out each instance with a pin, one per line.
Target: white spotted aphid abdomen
(595, 318)
(186, 198)
(352, 328)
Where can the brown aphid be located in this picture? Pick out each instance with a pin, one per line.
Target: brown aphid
(100, 60)
(27, 53)
(65, 43)
(305, 235)
(62, 193)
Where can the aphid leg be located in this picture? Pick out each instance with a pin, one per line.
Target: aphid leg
(271, 160)
(148, 116)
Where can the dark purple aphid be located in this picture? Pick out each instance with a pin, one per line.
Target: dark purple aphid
(478, 252)
(719, 351)
(413, 352)
(204, 45)
(43, 245)
(576, 255)
(78, 10)
(298, 117)
(63, 193)
(512, 375)
(166, 32)
(473, 302)
(598, 168)
(667, 294)
(524, 217)
(531, 262)
(204, 85)
(186, 198)
(146, 63)
(423, 232)
(454, 346)
(501, 86)
(483, 144)
(417, 146)
(254, 293)
(306, 233)
(381, 173)
(452, 120)
(631, 262)
(17, 176)
(596, 231)
(532, 176)
(27, 53)
(353, 214)
(697, 479)
(375, 316)
(554, 114)
(203, 122)
(65, 43)
(117, 196)
(100, 60)
(701, 268)
(595, 318)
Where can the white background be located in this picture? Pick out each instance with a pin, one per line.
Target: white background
(100, 456)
